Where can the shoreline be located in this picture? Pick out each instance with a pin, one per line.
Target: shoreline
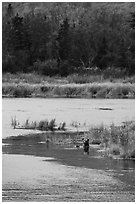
(58, 97)
(90, 90)
(70, 139)
(20, 183)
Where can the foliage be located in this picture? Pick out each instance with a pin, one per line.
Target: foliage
(34, 78)
(60, 38)
(91, 90)
(63, 40)
(48, 67)
(43, 125)
(22, 91)
(119, 140)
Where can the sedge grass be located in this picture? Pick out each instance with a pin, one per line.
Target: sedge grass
(43, 125)
(91, 90)
(117, 140)
(35, 78)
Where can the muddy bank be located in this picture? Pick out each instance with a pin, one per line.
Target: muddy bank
(27, 178)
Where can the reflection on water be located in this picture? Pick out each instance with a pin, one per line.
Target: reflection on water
(86, 111)
(126, 164)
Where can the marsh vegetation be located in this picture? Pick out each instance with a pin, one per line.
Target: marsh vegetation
(114, 140)
(40, 86)
(43, 125)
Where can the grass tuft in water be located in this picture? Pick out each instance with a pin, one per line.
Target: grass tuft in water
(43, 125)
(14, 122)
(117, 140)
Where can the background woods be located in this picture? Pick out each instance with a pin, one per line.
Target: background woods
(63, 38)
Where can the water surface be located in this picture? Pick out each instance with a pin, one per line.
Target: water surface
(85, 111)
(46, 181)
(33, 171)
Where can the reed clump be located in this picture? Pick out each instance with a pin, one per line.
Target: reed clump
(116, 140)
(43, 125)
(92, 90)
(74, 86)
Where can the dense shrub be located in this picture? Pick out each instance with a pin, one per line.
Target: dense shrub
(22, 91)
(48, 67)
(95, 90)
(8, 65)
(114, 149)
(114, 72)
(46, 88)
(102, 93)
(65, 68)
(43, 125)
(84, 78)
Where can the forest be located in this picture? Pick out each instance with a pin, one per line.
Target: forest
(56, 38)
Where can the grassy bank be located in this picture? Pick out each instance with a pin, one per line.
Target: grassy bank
(115, 140)
(34, 78)
(73, 86)
(90, 90)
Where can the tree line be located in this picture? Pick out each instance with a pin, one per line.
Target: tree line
(69, 37)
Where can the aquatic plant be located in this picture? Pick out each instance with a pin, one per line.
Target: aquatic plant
(118, 140)
(43, 125)
(52, 125)
(62, 126)
(14, 122)
(76, 125)
(114, 149)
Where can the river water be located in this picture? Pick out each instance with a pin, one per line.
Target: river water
(85, 111)
(34, 172)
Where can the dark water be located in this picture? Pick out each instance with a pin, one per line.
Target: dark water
(62, 149)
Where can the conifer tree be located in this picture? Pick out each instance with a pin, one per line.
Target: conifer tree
(17, 33)
(64, 40)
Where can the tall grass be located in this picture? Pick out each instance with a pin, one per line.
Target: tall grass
(118, 140)
(79, 86)
(14, 122)
(32, 78)
(35, 78)
(43, 125)
(93, 90)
